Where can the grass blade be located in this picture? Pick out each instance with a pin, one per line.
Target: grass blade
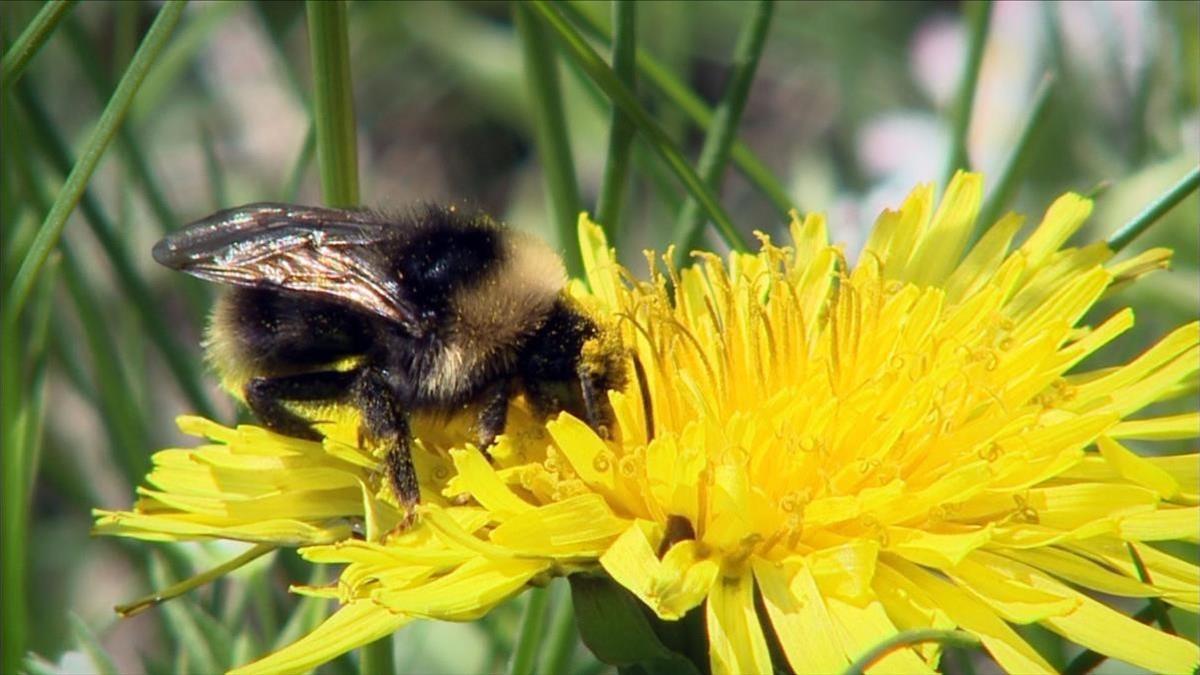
(979, 14)
(81, 173)
(135, 159)
(1167, 201)
(1006, 181)
(550, 132)
(31, 40)
(602, 75)
(18, 407)
(333, 102)
(218, 191)
(682, 97)
(182, 366)
(127, 429)
(86, 640)
(620, 130)
(194, 35)
(715, 153)
(291, 189)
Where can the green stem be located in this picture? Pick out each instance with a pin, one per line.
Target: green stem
(683, 98)
(1018, 159)
(620, 129)
(550, 131)
(563, 637)
(979, 16)
(377, 658)
(81, 173)
(529, 635)
(333, 101)
(723, 130)
(909, 638)
(587, 58)
(31, 40)
(177, 589)
(1186, 185)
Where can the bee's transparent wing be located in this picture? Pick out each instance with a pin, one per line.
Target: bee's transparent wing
(334, 254)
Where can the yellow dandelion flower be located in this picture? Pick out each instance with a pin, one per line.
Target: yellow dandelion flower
(829, 454)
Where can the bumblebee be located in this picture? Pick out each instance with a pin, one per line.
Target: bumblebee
(436, 311)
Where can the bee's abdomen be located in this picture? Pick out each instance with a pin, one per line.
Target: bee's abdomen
(264, 332)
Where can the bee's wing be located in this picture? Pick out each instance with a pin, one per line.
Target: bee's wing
(335, 254)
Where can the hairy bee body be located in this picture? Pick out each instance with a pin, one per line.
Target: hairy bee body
(430, 312)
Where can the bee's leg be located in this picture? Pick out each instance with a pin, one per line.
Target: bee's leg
(595, 404)
(386, 423)
(265, 396)
(494, 414)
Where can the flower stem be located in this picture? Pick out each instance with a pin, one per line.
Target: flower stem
(378, 658)
(31, 40)
(949, 638)
(717, 143)
(563, 637)
(550, 130)
(175, 590)
(979, 16)
(530, 634)
(620, 130)
(81, 173)
(587, 58)
(1186, 185)
(333, 102)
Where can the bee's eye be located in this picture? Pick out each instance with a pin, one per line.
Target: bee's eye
(443, 259)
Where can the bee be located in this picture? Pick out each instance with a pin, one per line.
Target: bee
(435, 311)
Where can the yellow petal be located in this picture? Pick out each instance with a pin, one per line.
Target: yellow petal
(352, 626)
(1006, 587)
(476, 476)
(1186, 425)
(940, 249)
(1004, 644)
(631, 560)
(1135, 469)
(1109, 632)
(799, 617)
(736, 641)
(846, 570)
(465, 594)
(577, 527)
(860, 628)
(1081, 571)
(984, 259)
(1062, 219)
(1162, 525)
(935, 549)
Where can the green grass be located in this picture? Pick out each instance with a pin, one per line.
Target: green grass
(122, 121)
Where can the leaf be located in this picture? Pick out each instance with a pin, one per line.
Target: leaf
(616, 629)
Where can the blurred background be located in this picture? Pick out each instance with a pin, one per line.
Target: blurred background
(852, 105)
